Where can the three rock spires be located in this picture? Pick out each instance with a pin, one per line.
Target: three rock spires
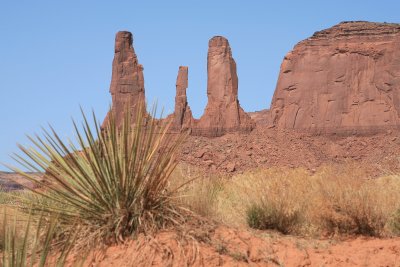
(223, 113)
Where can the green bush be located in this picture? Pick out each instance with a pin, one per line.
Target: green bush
(255, 217)
(269, 216)
(112, 181)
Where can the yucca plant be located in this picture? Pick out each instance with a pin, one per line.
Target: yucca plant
(113, 180)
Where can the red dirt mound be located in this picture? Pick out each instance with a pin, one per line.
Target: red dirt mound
(224, 246)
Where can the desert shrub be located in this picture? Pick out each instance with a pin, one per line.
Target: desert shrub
(335, 199)
(112, 180)
(255, 217)
(355, 205)
(199, 192)
(269, 199)
(270, 216)
(27, 241)
(276, 205)
(394, 222)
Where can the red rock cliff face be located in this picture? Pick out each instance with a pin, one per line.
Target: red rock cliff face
(223, 113)
(127, 82)
(346, 78)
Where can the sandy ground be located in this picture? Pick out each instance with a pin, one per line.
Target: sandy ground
(224, 246)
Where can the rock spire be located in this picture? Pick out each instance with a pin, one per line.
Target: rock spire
(223, 113)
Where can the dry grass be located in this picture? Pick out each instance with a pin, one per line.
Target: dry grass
(356, 205)
(9, 208)
(333, 200)
(27, 240)
(199, 193)
(270, 199)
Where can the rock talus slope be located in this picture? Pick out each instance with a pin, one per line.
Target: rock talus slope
(345, 78)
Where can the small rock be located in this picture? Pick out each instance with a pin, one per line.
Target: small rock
(363, 143)
(199, 154)
(209, 162)
(231, 167)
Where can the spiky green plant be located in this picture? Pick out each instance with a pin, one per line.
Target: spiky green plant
(27, 242)
(113, 180)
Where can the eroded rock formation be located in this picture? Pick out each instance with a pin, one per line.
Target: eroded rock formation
(345, 78)
(223, 113)
(127, 82)
(182, 117)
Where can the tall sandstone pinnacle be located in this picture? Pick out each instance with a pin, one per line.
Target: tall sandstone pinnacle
(127, 82)
(182, 117)
(343, 79)
(223, 113)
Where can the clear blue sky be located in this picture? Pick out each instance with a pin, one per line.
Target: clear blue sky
(56, 55)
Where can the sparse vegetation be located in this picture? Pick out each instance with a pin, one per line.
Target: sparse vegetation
(354, 205)
(28, 241)
(331, 201)
(116, 182)
(112, 182)
(394, 223)
(199, 192)
(264, 200)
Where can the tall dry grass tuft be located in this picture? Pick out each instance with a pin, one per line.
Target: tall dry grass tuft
(199, 192)
(356, 205)
(28, 241)
(333, 200)
(112, 181)
(266, 200)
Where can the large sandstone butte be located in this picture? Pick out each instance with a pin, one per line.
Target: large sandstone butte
(127, 82)
(182, 117)
(223, 113)
(345, 78)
